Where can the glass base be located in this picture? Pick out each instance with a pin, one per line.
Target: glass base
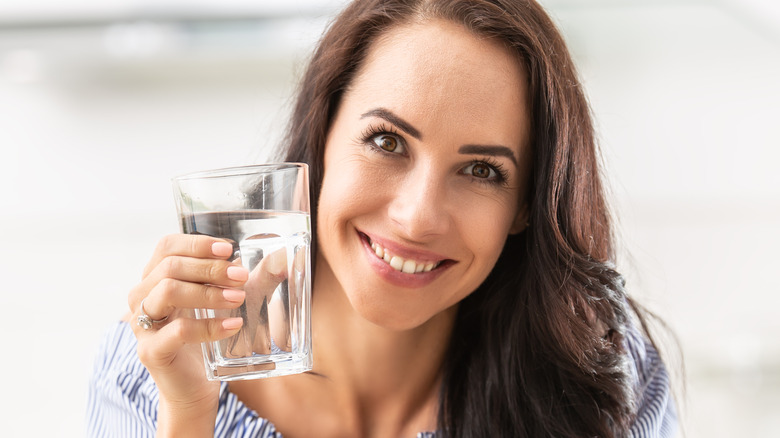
(261, 366)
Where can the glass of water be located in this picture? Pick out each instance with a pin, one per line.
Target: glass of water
(263, 211)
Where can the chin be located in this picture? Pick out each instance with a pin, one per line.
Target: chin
(398, 318)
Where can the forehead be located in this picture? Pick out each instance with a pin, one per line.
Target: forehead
(440, 74)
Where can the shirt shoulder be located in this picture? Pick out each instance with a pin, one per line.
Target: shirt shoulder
(656, 416)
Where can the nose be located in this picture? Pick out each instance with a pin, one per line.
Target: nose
(420, 207)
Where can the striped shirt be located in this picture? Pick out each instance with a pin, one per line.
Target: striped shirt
(123, 398)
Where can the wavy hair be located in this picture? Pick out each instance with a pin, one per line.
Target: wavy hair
(537, 349)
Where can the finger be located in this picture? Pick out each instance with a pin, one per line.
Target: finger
(263, 280)
(271, 271)
(216, 272)
(189, 245)
(170, 338)
(171, 294)
(187, 269)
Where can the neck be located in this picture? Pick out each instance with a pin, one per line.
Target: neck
(379, 374)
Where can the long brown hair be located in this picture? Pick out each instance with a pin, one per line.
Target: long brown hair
(537, 348)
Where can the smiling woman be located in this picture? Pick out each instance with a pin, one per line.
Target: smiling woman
(464, 281)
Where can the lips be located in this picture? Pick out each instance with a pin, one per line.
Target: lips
(404, 260)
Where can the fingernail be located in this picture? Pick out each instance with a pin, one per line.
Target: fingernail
(237, 273)
(233, 295)
(221, 249)
(232, 323)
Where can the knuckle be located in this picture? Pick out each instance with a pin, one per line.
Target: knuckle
(213, 328)
(215, 270)
(168, 287)
(211, 294)
(166, 243)
(169, 265)
(178, 329)
(193, 244)
(145, 352)
(137, 293)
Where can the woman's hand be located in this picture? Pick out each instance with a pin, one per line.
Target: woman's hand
(186, 272)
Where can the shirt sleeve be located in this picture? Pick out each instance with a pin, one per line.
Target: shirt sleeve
(123, 399)
(657, 416)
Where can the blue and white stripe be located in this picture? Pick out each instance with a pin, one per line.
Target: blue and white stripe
(123, 399)
(656, 416)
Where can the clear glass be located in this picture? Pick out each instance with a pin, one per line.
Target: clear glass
(263, 211)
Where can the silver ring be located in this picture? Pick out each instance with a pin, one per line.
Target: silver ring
(145, 321)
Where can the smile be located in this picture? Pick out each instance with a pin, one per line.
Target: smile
(407, 266)
(403, 266)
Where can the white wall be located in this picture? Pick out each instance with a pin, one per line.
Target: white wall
(94, 122)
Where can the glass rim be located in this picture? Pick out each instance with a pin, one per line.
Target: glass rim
(239, 170)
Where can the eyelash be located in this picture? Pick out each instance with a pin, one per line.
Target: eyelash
(368, 135)
(502, 176)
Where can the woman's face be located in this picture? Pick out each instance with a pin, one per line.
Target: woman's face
(425, 164)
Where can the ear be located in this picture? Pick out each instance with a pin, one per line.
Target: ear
(521, 220)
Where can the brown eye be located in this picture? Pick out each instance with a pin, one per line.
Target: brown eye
(481, 170)
(386, 142)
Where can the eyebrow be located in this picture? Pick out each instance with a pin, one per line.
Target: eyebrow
(388, 115)
(500, 151)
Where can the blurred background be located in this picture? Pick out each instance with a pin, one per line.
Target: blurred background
(101, 103)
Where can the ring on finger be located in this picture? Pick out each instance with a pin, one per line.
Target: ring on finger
(145, 321)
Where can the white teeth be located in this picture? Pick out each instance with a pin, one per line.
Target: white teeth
(397, 263)
(401, 264)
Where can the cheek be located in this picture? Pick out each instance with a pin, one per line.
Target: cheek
(486, 232)
(347, 190)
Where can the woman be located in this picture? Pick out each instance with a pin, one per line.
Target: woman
(450, 135)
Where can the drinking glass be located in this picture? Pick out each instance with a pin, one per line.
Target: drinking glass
(263, 211)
